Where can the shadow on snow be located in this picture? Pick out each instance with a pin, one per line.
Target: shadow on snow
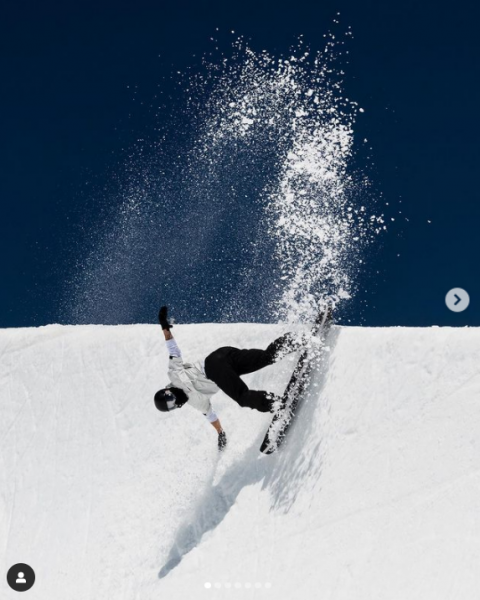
(283, 474)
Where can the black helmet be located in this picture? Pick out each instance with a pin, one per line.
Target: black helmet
(169, 399)
(165, 400)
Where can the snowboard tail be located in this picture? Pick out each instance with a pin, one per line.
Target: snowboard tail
(295, 389)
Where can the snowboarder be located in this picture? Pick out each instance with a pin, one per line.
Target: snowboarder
(196, 383)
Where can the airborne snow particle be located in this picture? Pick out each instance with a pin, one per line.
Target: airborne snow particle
(255, 114)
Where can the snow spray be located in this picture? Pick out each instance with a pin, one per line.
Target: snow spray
(315, 218)
(249, 209)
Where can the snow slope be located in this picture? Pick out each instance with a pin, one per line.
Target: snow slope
(374, 496)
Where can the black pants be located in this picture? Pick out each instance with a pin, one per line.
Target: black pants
(225, 366)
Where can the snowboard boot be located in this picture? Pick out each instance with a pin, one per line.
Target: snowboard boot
(275, 402)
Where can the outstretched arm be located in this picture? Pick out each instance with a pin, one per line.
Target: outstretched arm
(218, 426)
(173, 349)
(168, 335)
(215, 421)
(164, 323)
(222, 436)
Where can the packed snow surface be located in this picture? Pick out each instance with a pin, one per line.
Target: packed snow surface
(375, 494)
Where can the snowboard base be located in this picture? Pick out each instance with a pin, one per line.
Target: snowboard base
(299, 380)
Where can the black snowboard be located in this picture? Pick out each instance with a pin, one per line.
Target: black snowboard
(294, 391)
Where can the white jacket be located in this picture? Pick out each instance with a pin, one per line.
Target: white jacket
(192, 380)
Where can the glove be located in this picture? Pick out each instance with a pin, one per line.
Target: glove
(222, 441)
(163, 319)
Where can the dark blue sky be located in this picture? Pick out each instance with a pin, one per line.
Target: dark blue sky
(68, 120)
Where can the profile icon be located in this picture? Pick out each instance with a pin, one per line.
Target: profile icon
(21, 577)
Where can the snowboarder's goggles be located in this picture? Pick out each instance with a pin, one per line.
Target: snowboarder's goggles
(170, 400)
